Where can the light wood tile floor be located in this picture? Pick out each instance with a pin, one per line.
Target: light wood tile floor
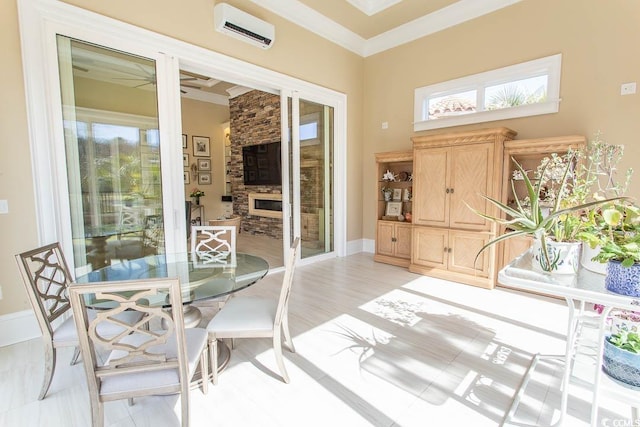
(376, 346)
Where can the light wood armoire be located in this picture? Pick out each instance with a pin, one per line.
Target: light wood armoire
(451, 172)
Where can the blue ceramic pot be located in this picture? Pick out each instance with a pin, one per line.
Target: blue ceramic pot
(621, 365)
(623, 280)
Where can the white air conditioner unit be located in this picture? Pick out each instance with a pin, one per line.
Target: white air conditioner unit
(241, 25)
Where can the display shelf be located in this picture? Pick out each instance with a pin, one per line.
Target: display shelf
(400, 164)
(393, 232)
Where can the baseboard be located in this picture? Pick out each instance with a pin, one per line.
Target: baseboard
(361, 245)
(17, 327)
(369, 246)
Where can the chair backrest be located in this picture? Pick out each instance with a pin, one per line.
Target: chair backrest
(212, 244)
(287, 281)
(134, 349)
(129, 217)
(46, 277)
(153, 234)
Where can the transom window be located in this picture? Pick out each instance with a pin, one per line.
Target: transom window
(526, 89)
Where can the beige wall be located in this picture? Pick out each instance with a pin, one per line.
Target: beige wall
(16, 185)
(329, 66)
(206, 119)
(595, 37)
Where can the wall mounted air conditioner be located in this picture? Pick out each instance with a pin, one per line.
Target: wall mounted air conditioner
(241, 25)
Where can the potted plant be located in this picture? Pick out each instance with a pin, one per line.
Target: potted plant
(621, 359)
(196, 194)
(619, 241)
(551, 230)
(386, 193)
(596, 179)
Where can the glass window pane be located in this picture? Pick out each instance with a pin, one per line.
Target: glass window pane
(520, 92)
(113, 154)
(453, 104)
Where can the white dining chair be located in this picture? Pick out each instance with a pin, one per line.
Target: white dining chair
(46, 277)
(256, 317)
(213, 244)
(145, 358)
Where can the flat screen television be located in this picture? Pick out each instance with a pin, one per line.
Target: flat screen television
(262, 164)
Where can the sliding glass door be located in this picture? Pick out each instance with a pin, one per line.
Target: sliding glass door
(311, 151)
(112, 149)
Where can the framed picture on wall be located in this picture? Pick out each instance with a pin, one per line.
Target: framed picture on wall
(201, 146)
(185, 160)
(185, 177)
(184, 141)
(204, 164)
(204, 178)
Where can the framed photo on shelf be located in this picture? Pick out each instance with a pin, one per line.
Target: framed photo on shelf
(184, 141)
(393, 209)
(185, 177)
(204, 178)
(397, 194)
(204, 164)
(201, 146)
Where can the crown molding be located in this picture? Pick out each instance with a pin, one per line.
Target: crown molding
(371, 7)
(454, 14)
(308, 18)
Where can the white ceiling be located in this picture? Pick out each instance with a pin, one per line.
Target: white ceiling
(367, 27)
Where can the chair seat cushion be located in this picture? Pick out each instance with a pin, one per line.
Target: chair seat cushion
(66, 333)
(244, 314)
(196, 342)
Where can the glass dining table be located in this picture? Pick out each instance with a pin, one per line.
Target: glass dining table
(202, 277)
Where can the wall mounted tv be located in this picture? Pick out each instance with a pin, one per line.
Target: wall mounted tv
(262, 164)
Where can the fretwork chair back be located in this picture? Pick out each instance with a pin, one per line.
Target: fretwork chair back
(256, 317)
(212, 244)
(46, 277)
(129, 242)
(144, 358)
(153, 235)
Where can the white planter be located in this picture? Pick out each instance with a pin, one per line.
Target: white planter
(564, 257)
(594, 266)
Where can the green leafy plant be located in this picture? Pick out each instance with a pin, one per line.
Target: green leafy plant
(618, 234)
(529, 219)
(196, 193)
(625, 340)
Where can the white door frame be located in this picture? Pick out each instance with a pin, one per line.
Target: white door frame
(41, 20)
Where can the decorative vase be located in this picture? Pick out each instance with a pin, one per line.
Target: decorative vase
(594, 266)
(623, 280)
(564, 257)
(621, 365)
(624, 321)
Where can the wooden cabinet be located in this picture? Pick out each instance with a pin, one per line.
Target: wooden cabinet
(393, 243)
(451, 174)
(528, 153)
(450, 254)
(393, 237)
(452, 179)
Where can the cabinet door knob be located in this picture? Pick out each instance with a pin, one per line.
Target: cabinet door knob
(451, 190)
(449, 250)
(447, 191)
(445, 250)
(393, 239)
